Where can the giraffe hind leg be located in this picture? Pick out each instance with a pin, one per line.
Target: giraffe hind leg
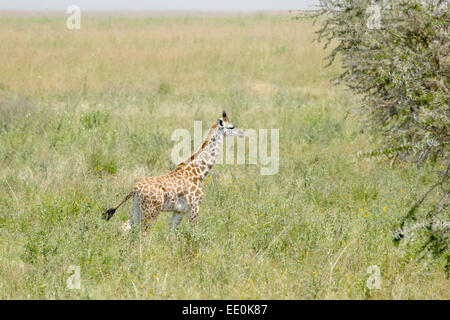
(135, 216)
(193, 215)
(150, 215)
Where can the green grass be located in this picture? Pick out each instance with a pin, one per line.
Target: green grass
(85, 114)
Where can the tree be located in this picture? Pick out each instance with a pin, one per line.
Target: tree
(395, 56)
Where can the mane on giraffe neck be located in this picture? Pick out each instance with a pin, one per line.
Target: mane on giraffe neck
(205, 156)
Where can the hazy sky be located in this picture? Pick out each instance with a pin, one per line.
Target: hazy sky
(212, 5)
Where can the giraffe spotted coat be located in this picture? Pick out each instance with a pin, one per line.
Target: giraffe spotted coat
(180, 190)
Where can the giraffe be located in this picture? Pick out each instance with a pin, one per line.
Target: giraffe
(180, 190)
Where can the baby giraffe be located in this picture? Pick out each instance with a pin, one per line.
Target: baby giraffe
(180, 190)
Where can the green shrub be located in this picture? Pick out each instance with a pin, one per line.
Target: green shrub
(94, 119)
(102, 162)
(395, 56)
(164, 88)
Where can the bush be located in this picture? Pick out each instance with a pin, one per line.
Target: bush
(395, 56)
(94, 119)
(164, 88)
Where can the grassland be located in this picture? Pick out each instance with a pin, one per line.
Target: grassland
(85, 113)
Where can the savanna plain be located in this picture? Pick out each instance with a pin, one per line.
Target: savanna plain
(84, 114)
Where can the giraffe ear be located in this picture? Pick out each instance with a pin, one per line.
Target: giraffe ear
(220, 122)
(224, 115)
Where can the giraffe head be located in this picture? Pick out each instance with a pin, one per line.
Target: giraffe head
(227, 127)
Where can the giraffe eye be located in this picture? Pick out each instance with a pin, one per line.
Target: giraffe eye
(232, 127)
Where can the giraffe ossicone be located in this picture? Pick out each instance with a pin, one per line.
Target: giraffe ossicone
(180, 190)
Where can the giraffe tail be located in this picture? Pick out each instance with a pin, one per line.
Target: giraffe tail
(110, 212)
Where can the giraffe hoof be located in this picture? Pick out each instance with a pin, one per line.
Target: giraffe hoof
(126, 226)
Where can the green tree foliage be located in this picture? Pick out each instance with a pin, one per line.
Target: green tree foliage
(395, 56)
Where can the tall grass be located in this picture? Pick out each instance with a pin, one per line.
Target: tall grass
(84, 114)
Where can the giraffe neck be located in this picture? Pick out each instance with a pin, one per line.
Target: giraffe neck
(202, 161)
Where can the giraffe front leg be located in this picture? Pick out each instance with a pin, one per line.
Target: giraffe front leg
(193, 215)
(176, 219)
(174, 223)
